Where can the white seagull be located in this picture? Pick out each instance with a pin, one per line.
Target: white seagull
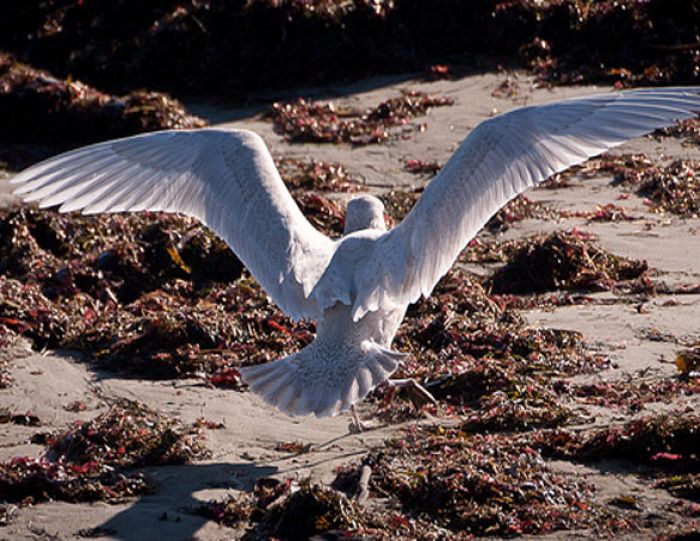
(356, 287)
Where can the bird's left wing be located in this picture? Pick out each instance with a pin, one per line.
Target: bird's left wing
(501, 158)
(225, 178)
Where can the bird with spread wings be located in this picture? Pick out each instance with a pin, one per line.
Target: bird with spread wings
(357, 287)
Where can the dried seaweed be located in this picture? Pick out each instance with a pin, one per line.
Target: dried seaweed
(422, 167)
(10, 342)
(318, 176)
(507, 89)
(293, 447)
(23, 419)
(476, 485)
(631, 394)
(665, 446)
(519, 209)
(682, 485)
(128, 435)
(325, 214)
(674, 189)
(688, 362)
(39, 109)
(564, 260)
(524, 408)
(308, 122)
(27, 480)
(670, 188)
(689, 128)
(480, 359)
(6, 512)
(602, 213)
(287, 510)
(95, 460)
(309, 511)
(109, 287)
(689, 532)
(665, 441)
(480, 250)
(398, 203)
(235, 49)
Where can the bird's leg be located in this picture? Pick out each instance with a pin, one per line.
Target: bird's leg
(358, 425)
(419, 395)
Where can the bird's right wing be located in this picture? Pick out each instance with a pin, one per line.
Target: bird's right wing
(225, 178)
(501, 158)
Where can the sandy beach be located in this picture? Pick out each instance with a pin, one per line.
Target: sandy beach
(640, 336)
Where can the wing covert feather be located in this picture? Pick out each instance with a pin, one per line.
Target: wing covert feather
(225, 178)
(501, 158)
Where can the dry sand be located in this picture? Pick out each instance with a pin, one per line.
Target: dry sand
(244, 450)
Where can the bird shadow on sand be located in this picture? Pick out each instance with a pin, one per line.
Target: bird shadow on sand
(167, 513)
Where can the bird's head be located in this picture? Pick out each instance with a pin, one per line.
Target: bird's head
(364, 212)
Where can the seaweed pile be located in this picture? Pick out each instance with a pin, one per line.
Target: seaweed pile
(327, 215)
(427, 168)
(9, 341)
(96, 460)
(316, 176)
(564, 260)
(665, 447)
(38, 110)
(602, 213)
(434, 483)
(519, 209)
(673, 188)
(287, 510)
(108, 287)
(479, 358)
(689, 129)
(688, 362)
(634, 396)
(398, 203)
(233, 49)
(689, 532)
(464, 485)
(308, 122)
(444, 479)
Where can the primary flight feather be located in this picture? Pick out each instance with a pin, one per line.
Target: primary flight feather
(356, 287)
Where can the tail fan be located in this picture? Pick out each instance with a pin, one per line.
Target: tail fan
(316, 381)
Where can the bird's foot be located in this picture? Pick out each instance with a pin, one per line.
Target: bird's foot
(419, 395)
(357, 426)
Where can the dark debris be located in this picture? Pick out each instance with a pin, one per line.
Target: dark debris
(236, 49)
(673, 188)
(664, 446)
(479, 359)
(24, 419)
(95, 460)
(286, 510)
(308, 122)
(316, 176)
(108, 287)
(476, 485)
(427, 168)
(38, 110)
(564, 260)
(633, 395)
